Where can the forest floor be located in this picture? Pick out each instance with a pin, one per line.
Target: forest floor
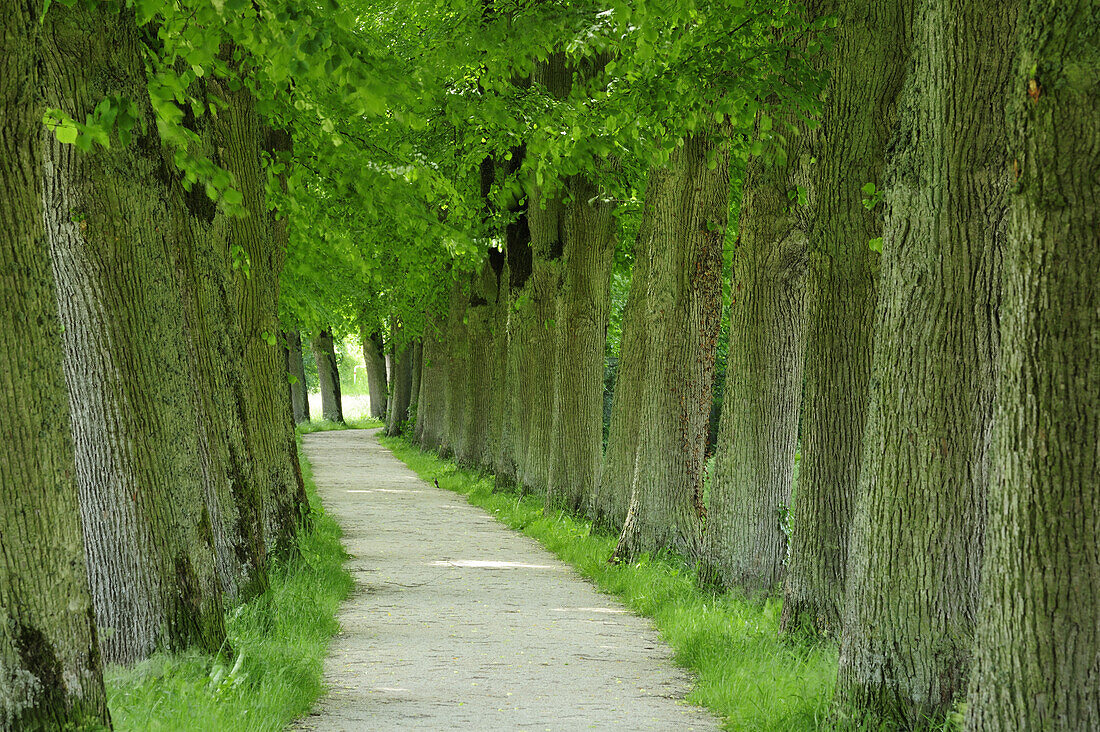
(457, 622)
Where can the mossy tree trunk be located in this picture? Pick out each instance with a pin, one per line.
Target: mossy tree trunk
(50, 672)
(114, 220)
(584, 305)
(746, 542)
(296, 370)
(683, 306)
(1037, 654)
(479, 368)
(328, 375)
(433, 378)
(402, 383)
(867, 64)
(370, 339)
(269, 425)
(915, 553)
(454, 392)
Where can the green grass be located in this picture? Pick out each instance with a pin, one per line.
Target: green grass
(744, 672)
(278, 641)
(324, 425)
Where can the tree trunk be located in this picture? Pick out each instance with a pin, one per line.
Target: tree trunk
(612, 498)
(683, 304)
(498, 362)
(299, 395)
(746, 542)
(431, 402)
(50, 670)
(402, 384)
(583, 310)
(114, 221)
(867, 65)
(479, 368)
(269, 422)
(328, 374)
(454, 397)
(375, 359)
(917, 534)
(417, 375)
(1037, 654)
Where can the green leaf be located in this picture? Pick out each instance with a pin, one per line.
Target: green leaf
(876, 244)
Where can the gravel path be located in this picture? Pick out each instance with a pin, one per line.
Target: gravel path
(457, 622)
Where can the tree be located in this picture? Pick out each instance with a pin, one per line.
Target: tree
(113, 220)
(296, 374)
(402, 382)
(682, 304)
(375, 360)
(1037, 650)
(916, 540)
(746, 543)
(50, 670)
(328, 373)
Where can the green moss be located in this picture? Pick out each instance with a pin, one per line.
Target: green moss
(744, 672)
(279, 640)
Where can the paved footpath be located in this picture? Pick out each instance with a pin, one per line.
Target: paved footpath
(457, 622)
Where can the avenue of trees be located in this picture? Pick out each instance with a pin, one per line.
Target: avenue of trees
(804, 293)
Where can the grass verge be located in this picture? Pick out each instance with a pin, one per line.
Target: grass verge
(279, 641)
(744, 673)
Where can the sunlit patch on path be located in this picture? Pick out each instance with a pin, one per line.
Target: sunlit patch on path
(458, 622)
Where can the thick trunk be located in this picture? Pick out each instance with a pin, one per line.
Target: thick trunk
(50, 671)
(479, 368)
(867, 65)
(269, 423)
(916, 538)
(612, 498)
(402, 384)
(296, 374)
(584, 306)
(114, 222)
(746, 542)
(417, 376)
(1037, 654)
(683, 304)
(374, 357)
(498, 363)
(433, 378)
(328, 375)
(454, 393)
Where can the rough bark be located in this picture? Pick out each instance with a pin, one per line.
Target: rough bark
(402, 384)
(454, 392)
(417, 376)
(299, 395)
(328, 375)
(746, 543)
(269, 423)
(50, 675)
(683, 304)
(1037, 654)
(113, 220)
(584, 305)
(374, 357)
(479, 368)
(916, 538)
(430, 409)
(867, 64)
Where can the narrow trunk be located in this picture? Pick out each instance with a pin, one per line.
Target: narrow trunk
(269, 423)
(50, 670)
(584, 306)
(375, 359)
(917, 534)
(746, 541)
(417, 375)
(328, 375)
(1037, 654)
(683, 304)
(402, 384)
(114, 221)
(867, 65)
(296, 374)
